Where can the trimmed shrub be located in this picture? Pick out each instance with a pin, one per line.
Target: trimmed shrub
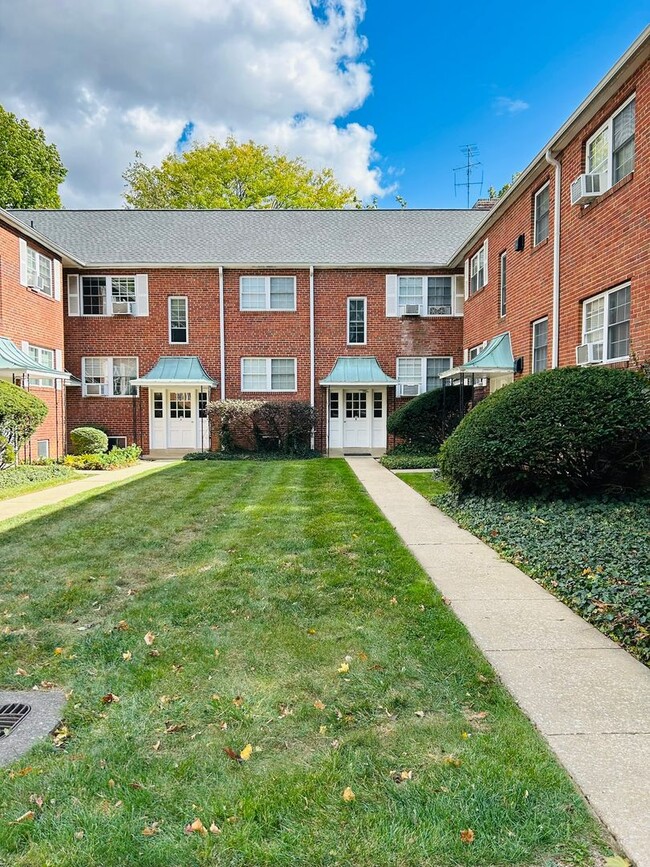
(284, 426)
(116, 459)
(307, 454)
(427, 420)
(20, 415)
(88, 441)
(409, 462)
(25, 474)
(560, 432)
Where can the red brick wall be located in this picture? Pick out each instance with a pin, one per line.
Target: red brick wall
(28, 315)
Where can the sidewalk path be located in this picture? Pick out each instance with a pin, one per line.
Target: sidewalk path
(91, 481)
(588, 697)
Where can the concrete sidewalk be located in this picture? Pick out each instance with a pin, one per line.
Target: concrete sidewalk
(91, 481)
(589, 698)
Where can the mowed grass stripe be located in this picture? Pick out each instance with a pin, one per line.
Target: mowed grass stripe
(259, 582)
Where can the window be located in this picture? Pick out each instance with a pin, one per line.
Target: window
(424, 372)
(178, 320)
(268, 374)
(39, 272)
(334, 404)
(109, 377)
(606, 324)
(433, 294)
(355, 404)
(540, 230)
(157, 404)
(180, 404)
(377, 404)
(46, 358)
(106, 296)
(267, 293)
(540, 344)
(43, 448)
(478, 270)
(610, 151)
(356, 320)
(203, 404)
(502, 284)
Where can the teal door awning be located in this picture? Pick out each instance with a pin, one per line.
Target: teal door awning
(15, 362)
(357, 370)
(496, 359)
(175, 370)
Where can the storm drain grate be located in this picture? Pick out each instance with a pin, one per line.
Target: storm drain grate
(10, 716)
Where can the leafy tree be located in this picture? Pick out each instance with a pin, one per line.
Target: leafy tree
(493, 194)
(20, 415)
(30, 168)
(232, 175)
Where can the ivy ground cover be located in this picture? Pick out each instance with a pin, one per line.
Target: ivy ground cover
(258, 672)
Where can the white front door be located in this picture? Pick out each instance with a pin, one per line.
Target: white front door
(356, 419)
(181, 425)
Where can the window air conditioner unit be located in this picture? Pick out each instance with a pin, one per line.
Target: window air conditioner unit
(585, 188)
(123, 308)
(444, 310)
(410, 310)
(589, 353)
(96, 389)
(408, 390)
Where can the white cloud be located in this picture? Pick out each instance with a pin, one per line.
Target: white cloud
(506, 105)
(107, 79)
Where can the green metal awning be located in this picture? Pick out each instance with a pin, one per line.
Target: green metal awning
(357, 370)
(176, 370)
(496, 359)
(15, 362)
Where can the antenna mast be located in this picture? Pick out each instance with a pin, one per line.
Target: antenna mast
(471, 164)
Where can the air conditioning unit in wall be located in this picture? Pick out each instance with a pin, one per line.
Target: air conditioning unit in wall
(586, 188)
(410, 310)
(123, 308)
(408, 390)
(96, 389)
(443, 310)
(589, 353)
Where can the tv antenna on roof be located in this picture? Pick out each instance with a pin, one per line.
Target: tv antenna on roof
(470, 151)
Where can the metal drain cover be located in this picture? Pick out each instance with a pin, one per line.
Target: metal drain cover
(26, 718)
(10, 715)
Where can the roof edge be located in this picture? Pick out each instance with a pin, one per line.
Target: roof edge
(22, 227)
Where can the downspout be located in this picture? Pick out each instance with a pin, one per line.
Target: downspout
(555, 347)
(312, 349)
(222, 339)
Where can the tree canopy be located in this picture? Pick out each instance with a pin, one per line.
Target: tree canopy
(30, 168)
(496, 194)
(232, 175)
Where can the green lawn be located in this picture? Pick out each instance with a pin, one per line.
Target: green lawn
(259, 584)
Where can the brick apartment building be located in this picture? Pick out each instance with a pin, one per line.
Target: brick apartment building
(350, 310)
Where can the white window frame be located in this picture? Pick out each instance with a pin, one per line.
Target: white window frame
(108, 361)
(605, 295)
(41, 381)
(503, 284)
(34, 275)
(424, 294)
(46, 450)
(533, 346)
(422, 380)
(108, 297)
(267, 292)
(169, 320)
(365, 321)
(537, 241)
(478, 264)
(269, 376)
(608, 128)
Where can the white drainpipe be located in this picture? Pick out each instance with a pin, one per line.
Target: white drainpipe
(222, 338)
(312, 347)
(555, 347)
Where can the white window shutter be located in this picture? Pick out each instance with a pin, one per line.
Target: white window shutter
(459, 295)
(391, 294)
(56, 271)
(73, 295)
(22, 248)
(24, 345)
(466, 279)
(142, 294)
(423, 375)
(485, 245)
(58, 364)
(465, 356)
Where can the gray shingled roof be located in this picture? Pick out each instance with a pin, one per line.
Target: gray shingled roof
(322, 238)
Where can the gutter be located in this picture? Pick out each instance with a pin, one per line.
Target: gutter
(555, 346)
(312, 348)
(222, 339)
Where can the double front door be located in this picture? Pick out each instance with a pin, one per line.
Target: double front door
(357, 418)
(178, 419)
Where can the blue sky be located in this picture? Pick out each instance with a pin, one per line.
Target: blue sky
(439, 74)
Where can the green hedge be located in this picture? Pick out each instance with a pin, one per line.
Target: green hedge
(251, 456)
(88, 441)
(409, 462)
(116, 459)
(427, 420)
(16, 477)
(555, 433)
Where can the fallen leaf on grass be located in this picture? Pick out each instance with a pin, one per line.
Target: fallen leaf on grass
(20, 672)
(343, 668)
(238, 701)
(196, 827)
(136, 785)
(285, 710)
(110, 698)
(127, 655)
(58, 651)
(36, 799)
(318, 704)
(467, 836)
(419, 713)
(149, 639)
(172, 728)
(78, 835)
(616, 861)
(214, 828)
(156, 746)
(22, 772)
(26, 817)
(452, 760)
(348, 795)
(232, 754)
(61, 735)
(150, 830)
(393, 600)
(154, 653)
(401, 776)
(122, 626)
(246, 753)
